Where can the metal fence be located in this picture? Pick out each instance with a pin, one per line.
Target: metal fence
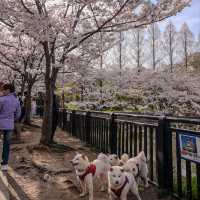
(157, 136)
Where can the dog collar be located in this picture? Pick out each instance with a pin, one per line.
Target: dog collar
(118, 192)
(91, 169)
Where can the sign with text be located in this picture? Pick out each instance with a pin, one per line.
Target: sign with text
(190, 147)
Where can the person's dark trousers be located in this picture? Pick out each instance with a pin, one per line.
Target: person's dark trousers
(6, 146)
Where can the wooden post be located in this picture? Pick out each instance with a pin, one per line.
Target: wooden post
(87, 131)
(164, 156)
(113, 134)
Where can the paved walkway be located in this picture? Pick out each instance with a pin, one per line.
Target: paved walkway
(7, 192)
(4, 192)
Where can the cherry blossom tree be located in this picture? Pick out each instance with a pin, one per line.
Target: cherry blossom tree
(122, 57)
(137, 50)
(198, 43)
(117, 57)
(154, 39)
(7, 74)
(24, 58)
(60, 27)
(187, 43)
(169, 43)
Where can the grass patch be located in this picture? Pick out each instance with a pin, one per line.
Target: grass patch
(184, 187)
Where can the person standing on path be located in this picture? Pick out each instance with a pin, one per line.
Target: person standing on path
(10, 112)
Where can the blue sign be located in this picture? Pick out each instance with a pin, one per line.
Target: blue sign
(190, 147)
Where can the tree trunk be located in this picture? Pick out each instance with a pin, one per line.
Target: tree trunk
(48, 100)
(28, 106)
(101, 67)
(186, 50)
(171, 49)
(82, 92)
(50, 80)
(138, 51)
(153, 47)
(47, 116)
(23, 84)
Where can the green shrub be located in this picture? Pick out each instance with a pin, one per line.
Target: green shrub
(184, 187)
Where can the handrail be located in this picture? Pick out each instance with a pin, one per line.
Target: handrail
(172, 119)
(195, 121)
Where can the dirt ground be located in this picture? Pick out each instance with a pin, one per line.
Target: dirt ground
(31, 165)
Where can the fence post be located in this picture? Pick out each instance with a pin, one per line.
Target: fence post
(87, 128)
(113, 134)
(164, 156)
(73, 124)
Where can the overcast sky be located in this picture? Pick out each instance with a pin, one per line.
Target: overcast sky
(191, 15)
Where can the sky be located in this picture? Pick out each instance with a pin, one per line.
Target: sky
(190, 15)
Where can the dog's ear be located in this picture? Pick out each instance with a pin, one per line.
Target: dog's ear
(122, 169)
(111, 169)
(116, 157)
(84, 157)
(142, 156)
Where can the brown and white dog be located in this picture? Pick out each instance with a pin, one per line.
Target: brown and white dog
(138, 167)
(120, 183)
(87, 171)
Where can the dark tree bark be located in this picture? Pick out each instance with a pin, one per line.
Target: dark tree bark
(27, 119)
(48, 101)
(50, 80)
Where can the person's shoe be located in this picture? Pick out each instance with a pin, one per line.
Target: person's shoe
(4, 167)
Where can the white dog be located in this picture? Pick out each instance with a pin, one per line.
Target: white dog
(124, 159)
(86, 171)
(115, 161)
(138, 167)
(120, 183)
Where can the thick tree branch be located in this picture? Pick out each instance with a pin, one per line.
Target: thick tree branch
(26, 8)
